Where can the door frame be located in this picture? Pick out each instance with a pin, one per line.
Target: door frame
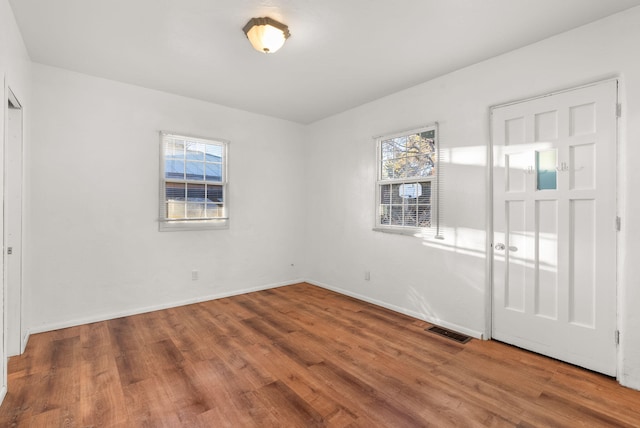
(489, 265)
(13, 288)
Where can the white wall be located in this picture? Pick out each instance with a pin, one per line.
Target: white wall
(93, 246)
(15, 74)
(446, 281)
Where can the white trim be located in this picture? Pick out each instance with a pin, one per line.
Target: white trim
(442, 323)
(556, 92)
(4, 360)
(195, 225)
(407, 131)
(169, 225)
(419, 232)
(15, 105)
(109, 316)
(437, 198)
(620, 236)
(434, 181)
(106, 317)
(488, 301)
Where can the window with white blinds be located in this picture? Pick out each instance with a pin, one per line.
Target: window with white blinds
(193, 183)
(407, 182)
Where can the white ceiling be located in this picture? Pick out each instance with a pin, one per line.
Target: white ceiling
(341, 54)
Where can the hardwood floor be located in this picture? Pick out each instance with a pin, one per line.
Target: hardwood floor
(296, 356)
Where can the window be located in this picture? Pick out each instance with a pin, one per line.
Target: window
(193, 183)
(407, 184)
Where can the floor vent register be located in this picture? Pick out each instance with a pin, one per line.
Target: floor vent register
(460, 338)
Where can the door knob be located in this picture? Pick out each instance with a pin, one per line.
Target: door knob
(513, 248)
(499, 247)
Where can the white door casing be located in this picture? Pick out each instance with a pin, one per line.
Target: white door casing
(13, 170)
(554, 223)
(3, 323)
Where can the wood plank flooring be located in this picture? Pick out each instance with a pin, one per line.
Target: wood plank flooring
(296, 356)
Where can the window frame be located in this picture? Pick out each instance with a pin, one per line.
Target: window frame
(434, 227)
(210, 223)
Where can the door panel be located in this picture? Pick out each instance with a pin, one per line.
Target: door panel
(546, 287)
(554, 245)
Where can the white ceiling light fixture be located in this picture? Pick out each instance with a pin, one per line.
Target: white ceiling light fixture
(265, 34)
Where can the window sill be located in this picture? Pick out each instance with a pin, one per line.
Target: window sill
(177, 225)
(417, 232)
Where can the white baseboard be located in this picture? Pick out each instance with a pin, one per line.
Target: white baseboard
(108, 316)
(629, 381)
(442, 323)
(136, 311)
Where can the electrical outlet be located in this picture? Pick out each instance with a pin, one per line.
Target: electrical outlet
(194, 275)
(367, 275)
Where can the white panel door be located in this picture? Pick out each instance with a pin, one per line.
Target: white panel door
(554, 244)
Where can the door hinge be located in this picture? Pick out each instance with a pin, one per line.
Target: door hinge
(617, 337)
(618, 223)
(619, 110)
